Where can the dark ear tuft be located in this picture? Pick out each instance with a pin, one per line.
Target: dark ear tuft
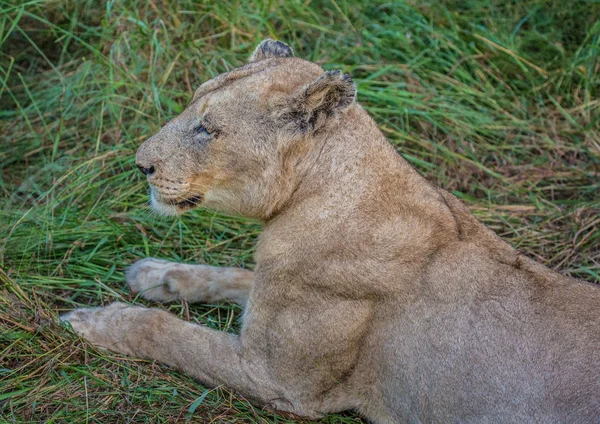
(271, 48)
(328, 96)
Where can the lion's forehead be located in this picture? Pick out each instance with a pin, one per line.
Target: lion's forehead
(277, 75)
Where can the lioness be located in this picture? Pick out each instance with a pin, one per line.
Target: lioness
(374, 290)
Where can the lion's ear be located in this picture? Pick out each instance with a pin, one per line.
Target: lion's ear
(271, 48)
(328, 96)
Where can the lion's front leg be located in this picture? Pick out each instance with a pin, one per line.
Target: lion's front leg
(164, 281)
(206, 354)
(213, 357)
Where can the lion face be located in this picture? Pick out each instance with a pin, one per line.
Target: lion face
(231, 148)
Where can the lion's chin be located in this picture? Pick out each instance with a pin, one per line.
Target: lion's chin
(173, 209)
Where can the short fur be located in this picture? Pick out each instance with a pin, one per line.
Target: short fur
(374, 290)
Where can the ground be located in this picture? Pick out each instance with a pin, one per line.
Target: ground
(496, 101)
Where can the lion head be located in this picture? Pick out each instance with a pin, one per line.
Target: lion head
(247, 136)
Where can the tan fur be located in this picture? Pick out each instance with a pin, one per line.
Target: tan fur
(164, 281)
(374, 290)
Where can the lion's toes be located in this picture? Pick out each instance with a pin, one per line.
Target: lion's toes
(83, 319)
(98, 326)
(150, 279)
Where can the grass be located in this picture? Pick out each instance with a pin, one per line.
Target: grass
(496, 101)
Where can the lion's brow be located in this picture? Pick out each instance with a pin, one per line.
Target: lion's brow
(228, 78)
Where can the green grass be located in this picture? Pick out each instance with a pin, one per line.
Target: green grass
(494, 100)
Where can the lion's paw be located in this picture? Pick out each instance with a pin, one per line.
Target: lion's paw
(99, 326)
(153, 279)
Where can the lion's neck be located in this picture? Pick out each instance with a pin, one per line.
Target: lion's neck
(349, 167)
(359, 197)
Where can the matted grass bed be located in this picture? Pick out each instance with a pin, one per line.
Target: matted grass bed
(496, 101)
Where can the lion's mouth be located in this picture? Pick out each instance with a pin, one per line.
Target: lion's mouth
(189, 202)
(173, 205)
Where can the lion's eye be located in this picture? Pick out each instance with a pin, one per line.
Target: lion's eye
(201, 130)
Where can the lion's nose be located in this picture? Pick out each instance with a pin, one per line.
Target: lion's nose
(147, 171)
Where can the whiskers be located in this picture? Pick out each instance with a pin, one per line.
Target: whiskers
(176, 197)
